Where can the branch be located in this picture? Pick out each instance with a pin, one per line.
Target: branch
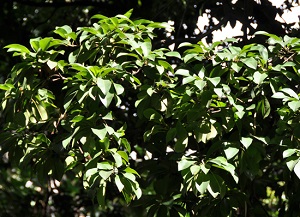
(182, 18)
(62, 4)
(177, 41)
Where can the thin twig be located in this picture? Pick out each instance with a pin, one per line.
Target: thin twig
(290, 57)
(182, 19)
(177, 41)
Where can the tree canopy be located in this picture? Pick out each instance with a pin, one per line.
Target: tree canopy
(100, 116)
(102, 119)
(37, 17)
(22, 20)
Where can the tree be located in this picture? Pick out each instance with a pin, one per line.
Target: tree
(100, 114)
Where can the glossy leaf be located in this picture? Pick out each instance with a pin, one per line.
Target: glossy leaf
(100, 133)
(246, 141)
(258, 78)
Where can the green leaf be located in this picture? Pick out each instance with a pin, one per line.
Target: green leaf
(118, 159)
(250, 62)
(45, 43)
(294, 105)
(129, 176)
(104, 85)
(219, 92)
(291, 162)
(101, 195)
(205, 168)
(202, 182)
(17, 48)
(266, 107)
(6, 86)
(208, 136)
(105, 174)
(236, 66)
(297, 169)
(124, 155)
(91, 31)
(195, 169)
(161, 25)
(166, 65)
(130, 170)
(152, 114)
(187, 80)
(107, 99)
(42, 112)
(216, 186)
(173, 54)
(118, 88)
(258, 78)
(290, 92)
(171, 135)
(105, 165)
(200, 84)
(275, 37)
(119, 184)
(51, 64)
(186, 44)
(184, 163)
(246, 141)
(152, 210)
(146, 48)
(264, 140)
(63, 31)
(91, 172)
(34, 42)
(263, 51)
(289, 152)
(183, 72)
(128, 13)
(77, 118)
(182, 138)
(99, 16)
(230, 152)
(222, 163)
(215, 81)
(189, 57)
(68, 140)
(279, 95)
(100, 133)
(126, 144)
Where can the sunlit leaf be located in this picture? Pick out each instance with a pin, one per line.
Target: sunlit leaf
(250, 62)
(289, 152)
(17, 48)
(119, 183)
(294, 105)
(104, 85)
(183, 164)
(297, 169)
(246, 141)
(258, 78)
(215, 81)
(100, 133)
(230, 152)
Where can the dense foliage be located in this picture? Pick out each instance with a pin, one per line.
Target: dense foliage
(26, 19)
(97, 116)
